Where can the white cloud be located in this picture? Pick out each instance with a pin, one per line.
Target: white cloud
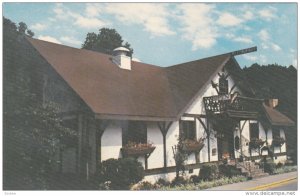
(153, 16)
(295, 63)
(87, 21)
(248, 15)
(197, 25)
(264, 35)
(267, 14)
(136, 59)
(246, 40)
(70, 40)
(49, 39)
(227, 20)
(250, 57)
(93, 9)
(264, 45)
(275, 47)
(38, 27)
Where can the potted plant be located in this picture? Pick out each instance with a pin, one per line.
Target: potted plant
(256, 143)
(192, 146)
(137, 149)
(278, 141)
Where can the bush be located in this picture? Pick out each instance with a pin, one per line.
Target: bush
(209, 172)
(178, 181)
(162, 182)
(229, 171)
(145, 186)
(121, 173)
(195, 179)
(269, 167)
(279, 165)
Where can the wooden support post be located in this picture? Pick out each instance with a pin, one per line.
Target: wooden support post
(164, 130)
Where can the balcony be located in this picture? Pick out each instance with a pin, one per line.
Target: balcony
(234, 106)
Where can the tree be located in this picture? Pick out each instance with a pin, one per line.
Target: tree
(32, 131)
(105, 41)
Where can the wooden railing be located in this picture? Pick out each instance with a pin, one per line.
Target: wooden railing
(222, 103)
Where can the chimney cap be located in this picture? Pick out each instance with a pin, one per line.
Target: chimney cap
(121, 49)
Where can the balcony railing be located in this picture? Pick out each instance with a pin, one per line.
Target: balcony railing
(228, 103)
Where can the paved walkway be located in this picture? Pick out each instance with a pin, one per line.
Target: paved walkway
(256, 184)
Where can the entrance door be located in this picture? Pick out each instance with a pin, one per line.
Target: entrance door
(226, 141)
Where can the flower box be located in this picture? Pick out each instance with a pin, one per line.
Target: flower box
(278, 141)
(256, 143)
(136, 150)
(192, 146)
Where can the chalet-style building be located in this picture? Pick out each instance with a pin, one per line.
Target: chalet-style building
(121, 107)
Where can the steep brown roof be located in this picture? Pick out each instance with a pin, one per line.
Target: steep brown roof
(276, 118)
(146, 91)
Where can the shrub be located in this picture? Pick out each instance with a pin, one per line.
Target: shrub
(279, 165)
(145, 186)
(209, 172)
(162, 182)
(195, 179)
(269, 166)
(178, 181)
(229, 171)
(121, 173)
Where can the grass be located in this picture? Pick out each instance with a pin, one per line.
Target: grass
(285, 169)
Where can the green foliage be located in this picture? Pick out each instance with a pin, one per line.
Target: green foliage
(229, 171)
(269, 166)
(204, 184)
(179, 181)
(195, 179)
(209, 172)
(162, 182)
(121, 173)
(145, 186)
(32, 130)
(105, 41)
(285, 169)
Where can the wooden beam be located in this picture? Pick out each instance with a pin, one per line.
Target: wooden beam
(194, 115)
(164, 130)
(243, 51)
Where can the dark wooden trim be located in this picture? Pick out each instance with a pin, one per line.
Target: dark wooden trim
(163, 127)
(194, 115)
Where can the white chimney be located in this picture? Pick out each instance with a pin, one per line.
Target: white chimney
(121, 58)
(272, 103)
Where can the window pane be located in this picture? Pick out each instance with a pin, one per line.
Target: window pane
(134, 131)
(254, 131)
(276, 133)
(188, 129)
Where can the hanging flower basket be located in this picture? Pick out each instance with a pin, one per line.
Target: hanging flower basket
(193, 146)
(278, 141)
(256, 143)
(136, 150)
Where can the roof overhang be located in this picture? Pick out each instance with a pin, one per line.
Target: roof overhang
(133, 117)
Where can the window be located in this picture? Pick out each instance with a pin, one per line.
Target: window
(223, 85)
(276, 133)
(254, 131)
(188, 129)
(134, 131)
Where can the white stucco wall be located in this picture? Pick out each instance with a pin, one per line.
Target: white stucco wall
(111, 141)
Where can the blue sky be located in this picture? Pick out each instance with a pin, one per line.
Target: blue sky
(165, 34)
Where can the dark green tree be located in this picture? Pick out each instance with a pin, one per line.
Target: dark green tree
(32, 131)
(105, 41)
